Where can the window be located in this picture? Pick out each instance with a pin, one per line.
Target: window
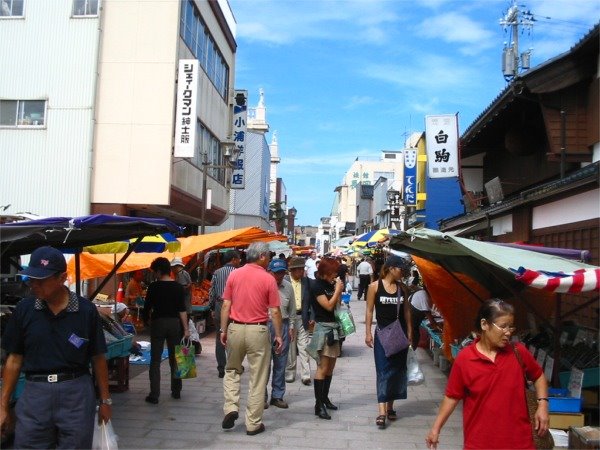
(22, 113)
(11, 8)
(196, 35)
(85, 7)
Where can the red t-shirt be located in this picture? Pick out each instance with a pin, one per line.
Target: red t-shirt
(252, 291)
(494, 411)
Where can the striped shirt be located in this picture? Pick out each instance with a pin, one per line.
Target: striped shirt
(218, 282)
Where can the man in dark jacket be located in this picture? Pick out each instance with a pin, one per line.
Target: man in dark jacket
(302, 319)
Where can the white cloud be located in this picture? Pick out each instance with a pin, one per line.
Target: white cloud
(280, 22)
(455, 28)
(357, 101)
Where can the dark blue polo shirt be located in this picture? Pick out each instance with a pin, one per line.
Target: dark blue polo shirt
(50, 344)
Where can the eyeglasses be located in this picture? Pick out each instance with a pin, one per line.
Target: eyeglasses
(505, 328)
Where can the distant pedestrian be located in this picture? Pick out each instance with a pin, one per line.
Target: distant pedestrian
(165, 312)
(488, 377)
(420, 308)
(365, 277)
(383, 296)
(231, 261)
(325, 344)
(52, 337)
(278, 268)
(185, 280)
(303, 319)
(311, 265)
(250, 295)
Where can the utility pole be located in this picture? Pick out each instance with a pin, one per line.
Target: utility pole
(511, 60)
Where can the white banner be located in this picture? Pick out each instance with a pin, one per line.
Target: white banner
(185, 116)
(240, 116)
(441, 140)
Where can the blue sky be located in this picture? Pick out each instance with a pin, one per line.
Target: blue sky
(349, 78)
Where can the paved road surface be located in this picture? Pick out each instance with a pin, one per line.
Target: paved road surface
(194, 421)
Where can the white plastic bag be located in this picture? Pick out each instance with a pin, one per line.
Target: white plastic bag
(348, 288)
(413, 371)
(105, 437)
(194, 336)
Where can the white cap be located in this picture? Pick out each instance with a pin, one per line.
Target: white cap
(177, 262)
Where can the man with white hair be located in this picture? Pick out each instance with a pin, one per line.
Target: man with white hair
(250, 295)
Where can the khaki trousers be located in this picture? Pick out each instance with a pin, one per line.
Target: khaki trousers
(252, 342)
(298, 353)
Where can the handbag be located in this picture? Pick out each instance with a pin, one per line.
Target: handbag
(346, 321)
(392, 338)
(185, 360)
(546, 441)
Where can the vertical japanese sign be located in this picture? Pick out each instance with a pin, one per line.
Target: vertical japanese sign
(240, 116)
(185, 116)
(410, 177)
(441, 135)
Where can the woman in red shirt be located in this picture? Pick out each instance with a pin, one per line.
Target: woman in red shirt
(488, 377)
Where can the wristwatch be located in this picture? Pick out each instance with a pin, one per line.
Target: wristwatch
(106, 401)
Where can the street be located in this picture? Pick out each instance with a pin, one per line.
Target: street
(195, 420)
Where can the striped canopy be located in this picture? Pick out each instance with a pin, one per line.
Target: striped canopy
(582, 280)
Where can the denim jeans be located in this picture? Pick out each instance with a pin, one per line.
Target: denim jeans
(279, 361)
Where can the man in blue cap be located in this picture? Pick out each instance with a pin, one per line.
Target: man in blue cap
(278, 268)
(53, 336)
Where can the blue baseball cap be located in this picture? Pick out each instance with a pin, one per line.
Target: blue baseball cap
(45, 262)
(277, 265)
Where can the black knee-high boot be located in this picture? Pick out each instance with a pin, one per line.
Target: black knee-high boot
(320, 409)
(326, 401)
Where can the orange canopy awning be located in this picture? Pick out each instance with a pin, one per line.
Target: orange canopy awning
(96, 266)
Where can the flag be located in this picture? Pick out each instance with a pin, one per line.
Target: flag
(581, 280)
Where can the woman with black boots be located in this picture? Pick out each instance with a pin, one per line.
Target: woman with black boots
(325, 344)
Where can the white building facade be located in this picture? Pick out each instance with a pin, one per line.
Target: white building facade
(97, 107)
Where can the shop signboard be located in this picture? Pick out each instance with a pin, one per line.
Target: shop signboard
(240, 118)
(410, 177)
(441, 141)
(185, 116)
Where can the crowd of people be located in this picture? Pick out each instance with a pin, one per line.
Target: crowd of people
(277, 314)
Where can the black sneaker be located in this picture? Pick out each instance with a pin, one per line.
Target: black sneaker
(176, 395)
(152, 400)
(221, 373)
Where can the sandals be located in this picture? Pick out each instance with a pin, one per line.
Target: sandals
(391, 414)
(380, 422)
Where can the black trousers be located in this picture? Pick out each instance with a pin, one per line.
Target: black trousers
(363, 284)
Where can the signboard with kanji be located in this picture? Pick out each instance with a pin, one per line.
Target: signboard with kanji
(441, 136)
(185, 116)
(240, 117)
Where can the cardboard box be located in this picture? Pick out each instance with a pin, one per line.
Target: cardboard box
(564, 421)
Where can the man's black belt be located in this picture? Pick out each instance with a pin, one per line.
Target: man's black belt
(248, 323)
(54, 377)
(299, 312)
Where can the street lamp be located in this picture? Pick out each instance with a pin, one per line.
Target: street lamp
(292, 223)
(230, 157)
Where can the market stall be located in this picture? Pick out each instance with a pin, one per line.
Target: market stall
(70, 235)
(462, 273)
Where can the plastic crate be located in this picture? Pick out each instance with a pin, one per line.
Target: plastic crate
(119, 348)
(591, 378)
(560, 402)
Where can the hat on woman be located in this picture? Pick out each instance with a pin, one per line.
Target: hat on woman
(177, 262)
(397, 261)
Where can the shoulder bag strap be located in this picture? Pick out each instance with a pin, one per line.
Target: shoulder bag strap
(518, 355)
(399, 290)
